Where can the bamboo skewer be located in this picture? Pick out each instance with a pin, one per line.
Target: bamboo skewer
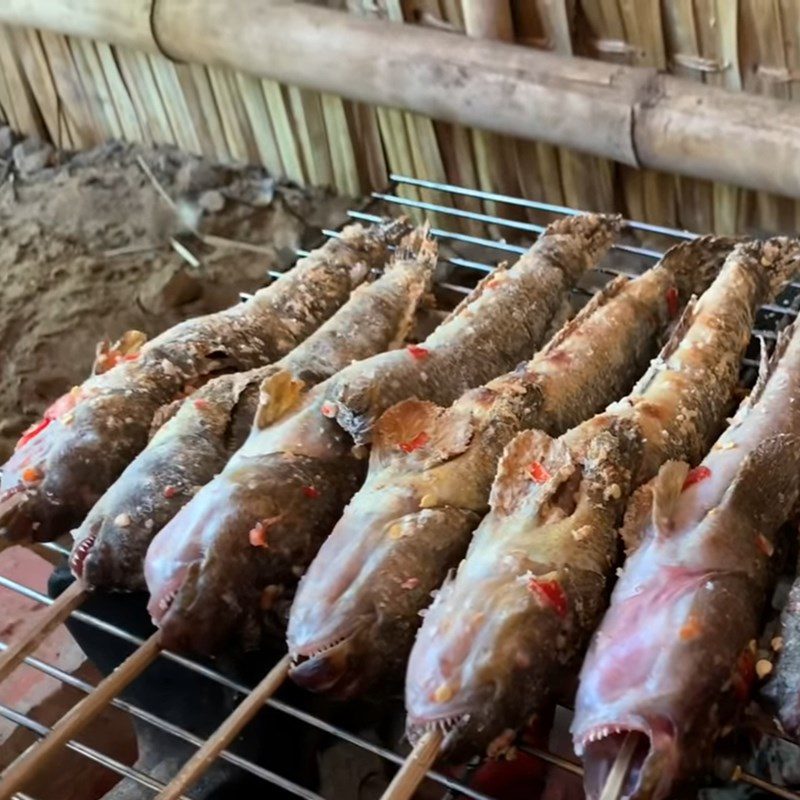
(56, 613)
(619, 770)
(224, 735)
(37, 755)
(415, 767)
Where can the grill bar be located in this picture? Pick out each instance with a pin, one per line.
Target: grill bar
(461, 282)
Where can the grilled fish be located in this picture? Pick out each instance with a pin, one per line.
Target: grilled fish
(357, 608)
(673, 658)
(501, 636)
(197, 441)
(64, 463)
(288, 484)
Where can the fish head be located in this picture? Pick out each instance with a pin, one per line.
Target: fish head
(340, 640)
(653, 692)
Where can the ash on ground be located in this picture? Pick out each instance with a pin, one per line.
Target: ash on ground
(88, 251)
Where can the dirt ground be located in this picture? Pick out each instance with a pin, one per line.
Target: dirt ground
(86, 254)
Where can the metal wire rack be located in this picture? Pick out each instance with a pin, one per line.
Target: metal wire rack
(472, 243)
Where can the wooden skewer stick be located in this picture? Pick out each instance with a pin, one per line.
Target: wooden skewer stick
(60, 609)
(226, 732)
(411, 774)
(36, 756)
(619, 770)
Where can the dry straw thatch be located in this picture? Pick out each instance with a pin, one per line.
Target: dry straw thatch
(78, 93)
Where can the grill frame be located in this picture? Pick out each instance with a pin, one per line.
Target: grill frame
(463, 274)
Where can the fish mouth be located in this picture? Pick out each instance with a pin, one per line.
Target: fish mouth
(162, 602)
(325, 666)
(641, 745)
(80, 552)
(448, 727)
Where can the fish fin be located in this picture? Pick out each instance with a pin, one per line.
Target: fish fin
(637, 516)
(694, 264)
(597, 301)
(280, 392)
(533, 466)
(776, 462)
(667, 486)
(442, 433)
(107, 354)
(679, 330)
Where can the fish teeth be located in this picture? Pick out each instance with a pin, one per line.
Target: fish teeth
(298, 658)
(166, 601)
(79, 553)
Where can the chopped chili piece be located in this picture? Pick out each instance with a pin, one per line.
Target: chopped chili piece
(258, 535)
(310, 491)
(417, 351)
(695, 476)
(33, 432)
(672, 301)
(329, 410)
(410, 583)
(549, 593)
(170, 491)
(691, 629)
(537, 472)
(201, 404)
(420, 440)
(31, 475)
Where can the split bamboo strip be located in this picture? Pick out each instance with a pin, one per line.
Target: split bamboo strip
(229, 91)
(96, 78)
(101, 126)
(21, 107)
(282, 128)
(174, 102)
(55, 614)
(193, 769)
(218, 146)
(128, 70)
(412, 773)
(260, 122)
(345, 172)
(369, 151)
(38, 754)
(306, 109)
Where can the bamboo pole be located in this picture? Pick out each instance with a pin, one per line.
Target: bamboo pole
(193, 769)
(629, 114)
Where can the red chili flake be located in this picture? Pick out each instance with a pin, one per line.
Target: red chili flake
(258, 535)
(131, 356)
(329, 410)
(310, 491)
(33, 432)
(745, 675)
(672, 301)
(550, 593)
(492, 282)
(410, 583)
(420, 440)
(537, 472)
(201, 404)
(170, 491)
(764, 545)
(31, 475)
(695, 476)
(418, 352)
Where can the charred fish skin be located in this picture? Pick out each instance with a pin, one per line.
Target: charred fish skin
(686, 610)
(64, 463)
(464, 354)
(282, 490)
(550, 540)
(531, 294)
(195, 444)
(431, 469)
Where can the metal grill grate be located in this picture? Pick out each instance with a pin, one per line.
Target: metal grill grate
(465, 258)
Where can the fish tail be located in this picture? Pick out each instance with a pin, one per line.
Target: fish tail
(694, 264)
(774, 261)
(416, 246)
(593, 234)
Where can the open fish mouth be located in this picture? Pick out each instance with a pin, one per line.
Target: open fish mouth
(310, 653)
(163, 601)
(448, 727)
(325, 666)
(80, 552)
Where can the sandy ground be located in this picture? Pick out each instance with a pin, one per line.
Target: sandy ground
(85, 254)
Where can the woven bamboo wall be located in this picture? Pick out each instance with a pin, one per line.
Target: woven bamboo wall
(79, 93)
